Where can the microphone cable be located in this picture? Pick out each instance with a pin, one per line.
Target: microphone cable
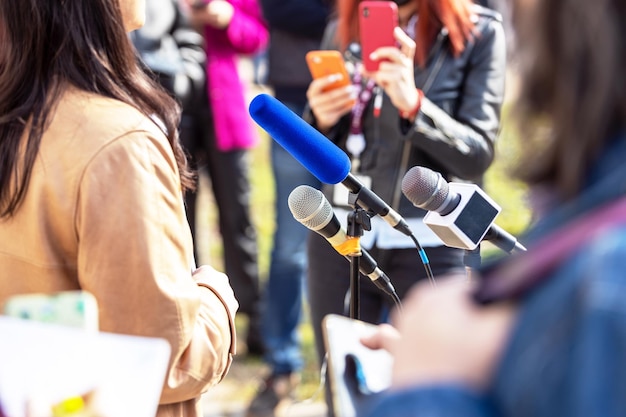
(425, 261)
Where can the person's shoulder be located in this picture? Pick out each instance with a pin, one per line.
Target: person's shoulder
(102, 119)
(87, 128)
(608, 245)
(485, 14)
(488, 23)
(598, 271)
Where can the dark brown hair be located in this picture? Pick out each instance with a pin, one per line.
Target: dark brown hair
(51, 43)
(573, 59)
(454, 15)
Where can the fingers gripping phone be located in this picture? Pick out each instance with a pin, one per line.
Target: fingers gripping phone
(377, 21)
(324, 63)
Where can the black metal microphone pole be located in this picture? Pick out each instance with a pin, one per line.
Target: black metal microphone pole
(354, 230)
(358, 220)
(472, 261)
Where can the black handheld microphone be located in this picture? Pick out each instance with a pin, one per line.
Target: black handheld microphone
(319, 155)
(309, 207)
(462, 215)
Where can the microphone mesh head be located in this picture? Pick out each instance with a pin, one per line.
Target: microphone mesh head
(425, 188)
(309, 206)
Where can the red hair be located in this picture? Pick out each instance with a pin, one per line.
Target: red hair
(454, 15)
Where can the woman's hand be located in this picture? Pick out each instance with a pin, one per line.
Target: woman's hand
(329, 106)
(395, 73)
(215, 13)
(385, 337)
(220, 284)
(442, 336)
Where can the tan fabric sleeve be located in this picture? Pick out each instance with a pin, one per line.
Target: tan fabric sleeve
(134, 256)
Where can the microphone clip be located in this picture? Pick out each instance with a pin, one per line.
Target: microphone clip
(358, 221)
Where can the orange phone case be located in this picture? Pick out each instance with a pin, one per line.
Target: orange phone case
(324, 63)
(377, 20)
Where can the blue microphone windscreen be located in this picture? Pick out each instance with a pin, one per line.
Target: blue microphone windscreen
(313, 150)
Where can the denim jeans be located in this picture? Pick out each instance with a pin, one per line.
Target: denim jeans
(282, 307)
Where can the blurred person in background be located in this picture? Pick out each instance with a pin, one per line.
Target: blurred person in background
(542, 333)
(435, 102)
(296, 27)
(91, 188)
(219, 135)
(173, 53)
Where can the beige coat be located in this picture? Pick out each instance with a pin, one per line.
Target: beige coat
(104, 213)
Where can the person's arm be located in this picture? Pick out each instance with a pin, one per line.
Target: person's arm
(438, 401)
(446, 350)
(135, 256)
(247, 31)
(191, 48)
(594, 375)
(329, 112)
(241, 26)
(464, 143)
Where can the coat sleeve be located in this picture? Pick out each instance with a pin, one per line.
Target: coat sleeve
(135, 256)
(464, 142)
(247, 31)
(191, 46)
(439, 401)
(593, 374)
(565, 354)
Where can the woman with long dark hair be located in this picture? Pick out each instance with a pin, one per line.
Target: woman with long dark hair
(435, 102)
(91, 184)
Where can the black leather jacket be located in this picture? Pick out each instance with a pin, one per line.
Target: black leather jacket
(459, 120)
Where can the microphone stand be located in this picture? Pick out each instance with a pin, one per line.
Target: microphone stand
(472, 260)
(358, 220)
(501, 239)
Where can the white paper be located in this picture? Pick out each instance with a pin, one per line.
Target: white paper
(43, 364)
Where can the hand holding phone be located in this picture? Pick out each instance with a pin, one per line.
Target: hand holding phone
(355, 371)
(324, 63)
(377, 21)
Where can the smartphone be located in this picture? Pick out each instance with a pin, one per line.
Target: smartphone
(72, 308)
(324, 63)
(355, 371)
(377, 20)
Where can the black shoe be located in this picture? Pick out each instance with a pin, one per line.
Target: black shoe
(274, 394)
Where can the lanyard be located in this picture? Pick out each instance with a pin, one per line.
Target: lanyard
(356, 140)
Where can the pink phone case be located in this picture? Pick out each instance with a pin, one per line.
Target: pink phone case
(377, 20)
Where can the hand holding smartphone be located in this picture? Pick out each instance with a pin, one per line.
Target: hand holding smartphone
(377, 21)
(356, 372)
(324, 63)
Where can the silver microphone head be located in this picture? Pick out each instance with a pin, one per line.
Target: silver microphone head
(309, 206)
(425, 188)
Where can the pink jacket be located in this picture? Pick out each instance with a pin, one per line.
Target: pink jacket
(246, 34)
